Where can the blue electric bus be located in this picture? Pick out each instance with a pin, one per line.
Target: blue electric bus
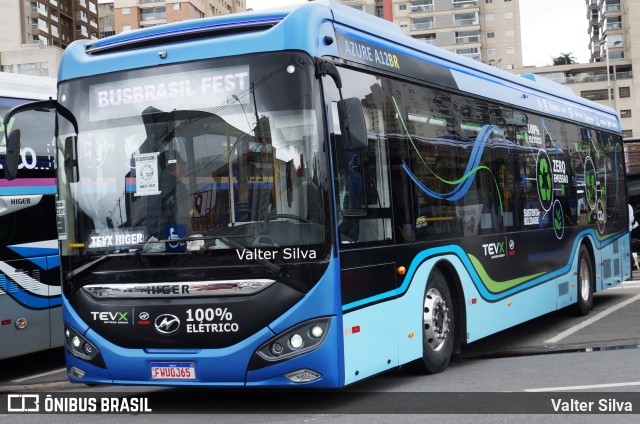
(307, 197)
(30, 295)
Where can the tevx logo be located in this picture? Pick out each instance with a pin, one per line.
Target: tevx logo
(495, 250)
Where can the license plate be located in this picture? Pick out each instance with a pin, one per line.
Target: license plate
(173, 371)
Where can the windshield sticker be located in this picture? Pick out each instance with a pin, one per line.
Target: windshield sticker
(110, 239)
(60, 219)
(147, 174)
(178, 233)
(184, 90)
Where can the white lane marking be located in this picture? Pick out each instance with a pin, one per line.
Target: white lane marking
(588, 387)
(44, 374)
(590, 321)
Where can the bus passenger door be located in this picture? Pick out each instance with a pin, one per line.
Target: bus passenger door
(368, 280)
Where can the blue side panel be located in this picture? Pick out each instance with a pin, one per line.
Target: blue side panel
(369, 340)
(394, 319)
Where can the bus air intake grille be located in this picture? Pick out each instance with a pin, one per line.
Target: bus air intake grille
(176, 36)
(606, 268)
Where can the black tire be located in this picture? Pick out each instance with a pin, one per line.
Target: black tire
(438, 326)
(584, 289)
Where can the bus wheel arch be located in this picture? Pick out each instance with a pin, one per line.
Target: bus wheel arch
(441, 320)
(586, 278)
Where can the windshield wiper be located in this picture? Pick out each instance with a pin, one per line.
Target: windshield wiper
(272, 267)
(93, 263)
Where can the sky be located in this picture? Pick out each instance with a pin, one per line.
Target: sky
(549, 28)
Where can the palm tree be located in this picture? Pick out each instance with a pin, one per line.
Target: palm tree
(564, 59)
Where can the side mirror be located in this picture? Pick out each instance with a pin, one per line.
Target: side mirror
(13, 155)
(352, 124)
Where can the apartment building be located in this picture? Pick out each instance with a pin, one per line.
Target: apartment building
(34, 33)
(484, 30)
(134, 14)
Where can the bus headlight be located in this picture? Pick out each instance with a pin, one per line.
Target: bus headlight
(302, 338)
(81, 348)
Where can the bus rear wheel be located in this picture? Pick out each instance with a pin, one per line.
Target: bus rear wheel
(585, 282)
(438, 326)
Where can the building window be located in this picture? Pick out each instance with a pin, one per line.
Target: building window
(126, 28)
(470, 52)
(491, 52)
(463, 19)
(403, 24)
(511, 50)
(126, 11)
(488, 17)
(459, 4)
(624, 91)
(626, 113)
(627, 133)
(418, 6)
(467, 37)
(177, 6)
(595, 94)
(488, 1)
(427, 38)
(491, 34)
(509, 33)
(153, 13)
(422, 23)
(402, 6)
(508, 15)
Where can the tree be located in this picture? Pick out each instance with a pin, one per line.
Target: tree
(564, 59)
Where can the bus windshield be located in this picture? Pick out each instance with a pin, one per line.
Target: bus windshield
(199, 156)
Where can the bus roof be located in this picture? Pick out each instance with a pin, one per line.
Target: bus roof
(27, 87)
(330, 29)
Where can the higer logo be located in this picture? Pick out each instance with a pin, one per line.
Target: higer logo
(167, 324)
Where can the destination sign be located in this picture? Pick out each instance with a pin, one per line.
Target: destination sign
(183, 90)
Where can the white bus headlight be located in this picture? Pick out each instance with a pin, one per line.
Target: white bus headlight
(302, 338)
(77, 345)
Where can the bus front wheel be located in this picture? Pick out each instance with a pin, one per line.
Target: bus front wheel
(585, 282)
(437, 325)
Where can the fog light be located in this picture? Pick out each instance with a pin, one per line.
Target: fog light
(76, 373)
(316, 331)
(296, 341)
(303, 376)
(277, 349)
